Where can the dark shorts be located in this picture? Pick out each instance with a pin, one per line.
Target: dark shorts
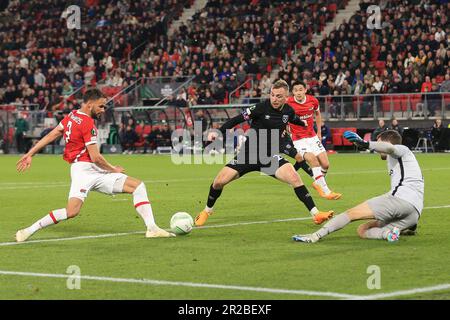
(269, 169)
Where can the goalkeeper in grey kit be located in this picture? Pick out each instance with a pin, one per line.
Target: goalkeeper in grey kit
(393, 213)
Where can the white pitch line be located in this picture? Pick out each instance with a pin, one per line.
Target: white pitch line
(414, 291)
(184, 284)
(108, 235)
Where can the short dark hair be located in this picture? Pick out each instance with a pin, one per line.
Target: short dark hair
(280, 84)
(298, 83)
(391, 136)
(92, 94)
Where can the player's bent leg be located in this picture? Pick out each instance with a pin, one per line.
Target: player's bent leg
(225, 176)
(320, 183)
(142, 205)
(287, 173)
(360, 212)
(300, 162)
(73, 208)
(324, 162)
(362, 229)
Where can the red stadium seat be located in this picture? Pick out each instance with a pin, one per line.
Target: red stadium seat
(336, 139)
(385, 103)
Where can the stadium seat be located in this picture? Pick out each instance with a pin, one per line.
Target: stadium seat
(385, 103)
(336, 139)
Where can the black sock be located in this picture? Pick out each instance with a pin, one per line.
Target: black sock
(304, 166)
(213, 196)
(304, 196)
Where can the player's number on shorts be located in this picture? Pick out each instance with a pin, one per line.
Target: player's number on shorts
(69, 131)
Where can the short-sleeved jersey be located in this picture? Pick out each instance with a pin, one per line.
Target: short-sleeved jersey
(305, 111)
(79, 132)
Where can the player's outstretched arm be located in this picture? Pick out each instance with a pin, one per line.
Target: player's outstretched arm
(25, 162)
(356, 140)
(100, 161)
(231, 123)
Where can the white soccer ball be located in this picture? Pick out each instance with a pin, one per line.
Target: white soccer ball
(181, 223)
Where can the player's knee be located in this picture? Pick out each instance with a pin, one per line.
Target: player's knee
(72, 212)
(362, 231)
(325, 165)
(219, 183)
(312, 160)
(294, 180)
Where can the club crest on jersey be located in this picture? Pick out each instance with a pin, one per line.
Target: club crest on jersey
(285, 118)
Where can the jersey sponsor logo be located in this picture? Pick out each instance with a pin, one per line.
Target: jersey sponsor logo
(267, 117)
(285, 118)
(73, 117)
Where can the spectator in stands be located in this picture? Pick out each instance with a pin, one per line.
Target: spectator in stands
(436, 132)
(395, 126)
(206, 98)
(152, 138)
(445, 85)
(21, 126)
(326, 134)
(164, 138)
(129, 138)
(67, 88)
(426, 85)
(381, 128)
(434, 100)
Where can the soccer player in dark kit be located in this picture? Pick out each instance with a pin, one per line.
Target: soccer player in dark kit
(268, 130)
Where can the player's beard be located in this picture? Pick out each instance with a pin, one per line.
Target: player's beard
(96, 116)
(383, 156)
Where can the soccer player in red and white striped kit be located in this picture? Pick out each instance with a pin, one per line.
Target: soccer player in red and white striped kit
(89, 169)
(307, 141)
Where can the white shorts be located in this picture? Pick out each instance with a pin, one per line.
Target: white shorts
(87, 176)
(312, 145)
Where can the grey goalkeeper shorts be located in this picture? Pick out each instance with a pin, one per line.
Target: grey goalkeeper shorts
(393, 212)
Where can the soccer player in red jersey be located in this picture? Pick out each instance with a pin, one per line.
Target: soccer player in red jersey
(88, 168)
(307, 142)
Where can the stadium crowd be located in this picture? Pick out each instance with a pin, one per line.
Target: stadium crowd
(42, 61)
(410, 54)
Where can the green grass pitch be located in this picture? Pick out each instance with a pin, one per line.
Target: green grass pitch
(240, 252)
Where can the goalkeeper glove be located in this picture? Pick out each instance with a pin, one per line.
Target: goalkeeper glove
(357, 140)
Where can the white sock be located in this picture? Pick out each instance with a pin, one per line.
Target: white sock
(319, 178)
(52, 218)
(324, 171)
(143, 207)
(314, 211)
(208, 209)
